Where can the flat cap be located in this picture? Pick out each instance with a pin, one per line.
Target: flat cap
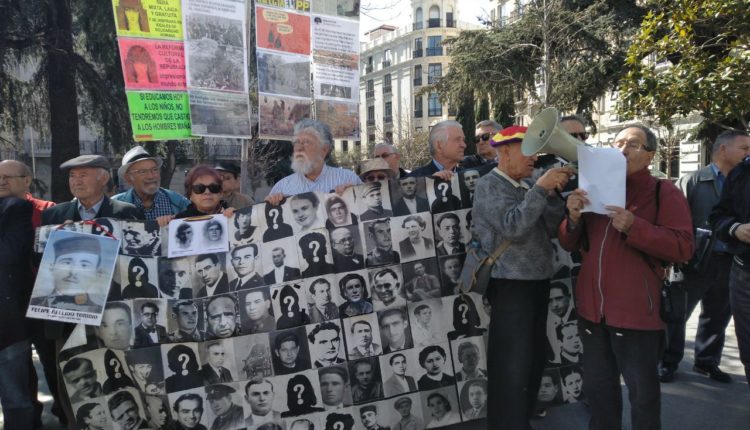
(86, 161)
(218, 391)
(401, 401)
(368, 408)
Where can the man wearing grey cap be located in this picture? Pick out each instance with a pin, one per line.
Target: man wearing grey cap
(143, 173)
(229, 415)
(230, 186)
(75, 271)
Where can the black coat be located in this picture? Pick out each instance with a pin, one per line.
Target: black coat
(428, 169)
(16, 278)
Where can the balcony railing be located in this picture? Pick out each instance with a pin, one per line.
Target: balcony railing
(370, 122)
(386, 89)
(388, 119)
(433, 22)
(417, 53)
(433, 79)
(417, 82)
(369, 94)
(450, 23)
(418, 25)
(432, 52)
(386, 63)
(418, 113)
(368, 68)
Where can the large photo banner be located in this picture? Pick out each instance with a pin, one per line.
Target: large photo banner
(329, 311)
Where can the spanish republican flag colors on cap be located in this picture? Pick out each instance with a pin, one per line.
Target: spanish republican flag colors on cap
(508, 135)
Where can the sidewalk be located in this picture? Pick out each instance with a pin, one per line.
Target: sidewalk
(690, 402)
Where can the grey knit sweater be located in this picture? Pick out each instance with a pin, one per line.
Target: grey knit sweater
(529, 219)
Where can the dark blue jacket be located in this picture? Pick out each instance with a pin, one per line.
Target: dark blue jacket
(734, 209)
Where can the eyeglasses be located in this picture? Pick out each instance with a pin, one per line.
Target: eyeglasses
(373, 178)
(4, 178)
(141, 172)
(630, 146)
(344, 240)
(200, 188)
(485, 136)
(581, 136)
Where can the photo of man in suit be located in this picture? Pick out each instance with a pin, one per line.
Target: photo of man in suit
(258, 316)
(360, 343)
(211, 275)
(322, 308)
(333, 381)
(468, 356)
(228, 414)
(325, 344)
(259, 394)
(175, 278)
(422, 285)
(125, 411)
(449, 228)
(372, 197)
(474, 399)
(394, 330)
(222, 317)
(345, 243)
(399, 382)
(244, 259)
(188, 409)
(382, 252)
(214, 372)
(148, 332)
(288, 355)
(185, 314)
(280, 272)
(410, 202)
(116, 329)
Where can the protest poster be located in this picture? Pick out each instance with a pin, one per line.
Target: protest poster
(326, 312)
(154, 19)
(298, 5)
(159, 115)
(283, 31)
(74, 277)
(152, 65)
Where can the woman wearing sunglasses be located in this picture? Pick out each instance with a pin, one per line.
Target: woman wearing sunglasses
(203, 189)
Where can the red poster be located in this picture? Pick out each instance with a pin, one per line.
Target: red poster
(152, 64)
(282, 31)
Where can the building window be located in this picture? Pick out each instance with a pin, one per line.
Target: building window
(389, 137)
(370, 93)
(418, 106)
(370, 115)
(417, 75)
(388, 112)
(434, 73)
(434, 108)
(417, 47)
(418, 24)
(386, 58)
(434, 20)
(344, 146)
(449, 20)
(371, 139)
(387, 84)
(434, 46)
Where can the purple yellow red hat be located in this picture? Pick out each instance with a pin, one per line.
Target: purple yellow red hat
(508, 135)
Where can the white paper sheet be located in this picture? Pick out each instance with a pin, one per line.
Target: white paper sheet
(601, 173)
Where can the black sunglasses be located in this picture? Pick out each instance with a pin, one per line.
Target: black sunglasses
(582, 136)
(485, 136)
(200, 188)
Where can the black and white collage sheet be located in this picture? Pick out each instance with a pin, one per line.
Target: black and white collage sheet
(340, 311)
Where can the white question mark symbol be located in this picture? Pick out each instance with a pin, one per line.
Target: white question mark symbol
(338, 425)
(443, 187)
(299, 389)
(463, 308)
(139, 271)
(184, 359)
(315, 246)
(289, 301)
(116, 364)
(275, 216)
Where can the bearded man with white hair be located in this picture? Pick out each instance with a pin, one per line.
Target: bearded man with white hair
(312, 144)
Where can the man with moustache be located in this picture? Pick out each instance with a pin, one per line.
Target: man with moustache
(362, 344)
(243, 259)
(313, 142)
(344, 256)
(185, 312)
(259, 394)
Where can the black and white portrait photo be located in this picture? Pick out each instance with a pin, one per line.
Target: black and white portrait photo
(189, 409)
(83, 380)
(426, 325)
(473, 399)
(315, 253)
(366, 383)
(347, 249)
(354, 290)
(198, 236)
(214, 233)
(252, 355)
(92, 414)
(572, 383)
(409, 197)
(379, 243)
(74, 275)
(126, 409)
(276, 222)
(450, 273)
(280, 260)
(256, 311)
(150, 318)
(323, 298)
(400, 372)
(175, 278)
(289, 306)
(466, 319)
(157, 412)
(225, 406)
(141, 238)
(413, 233)
(441, 194)
(374, 416)
(217, 361)
(468, 182)
(339, 420)
(186, 321)
(440, 407)
(550, 390)
(326, 343)
(181, 367)
(182, 239)
(421, 280)
(373, 201)
(449, 234)
(362, 336)
(387, 287)
(570, 347)
(437, 370)
(137, 277)
(307, 212)
(244, 227)
(116, 372)
(334, 387)
(245, 267)
(259, 395)
(222, 316)
(408, 412)
(209, 275)
(290, 351)
(561, 310)
(469, 360)
(146, 369)
(116, 328)
(394, 329)
(339, 209)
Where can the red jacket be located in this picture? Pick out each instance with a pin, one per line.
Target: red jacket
(39, 206)
(616, 282)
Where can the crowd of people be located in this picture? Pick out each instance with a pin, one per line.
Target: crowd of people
(617, 292)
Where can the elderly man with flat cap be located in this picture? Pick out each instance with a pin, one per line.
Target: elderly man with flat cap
(143, 173)
(229, 415)
(230, 186)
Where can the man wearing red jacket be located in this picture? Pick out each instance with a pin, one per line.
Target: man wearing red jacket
(618, 288)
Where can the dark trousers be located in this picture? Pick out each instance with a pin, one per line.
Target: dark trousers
(516, 352)
(634, 354)
(711, 288)
(739, 294)
(45, 349)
